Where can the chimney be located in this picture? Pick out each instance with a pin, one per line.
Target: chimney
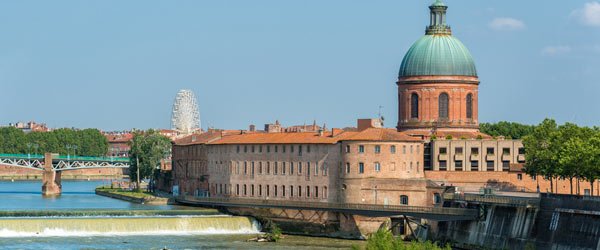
(368, 123)
(320, 132)
(252, 128)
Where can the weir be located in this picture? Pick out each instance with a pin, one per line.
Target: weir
(113, 226)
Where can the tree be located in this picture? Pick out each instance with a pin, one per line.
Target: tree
(591, 169)
(541, 151)
(148, 148)
(511, 130)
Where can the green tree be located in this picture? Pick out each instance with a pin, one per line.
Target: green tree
(148, 148)
(511, 130)
(541, 151)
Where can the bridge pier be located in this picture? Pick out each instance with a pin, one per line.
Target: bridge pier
(51, 179)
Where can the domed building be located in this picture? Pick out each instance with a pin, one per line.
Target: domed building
(437, 82)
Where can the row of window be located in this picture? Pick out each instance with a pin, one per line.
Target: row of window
(490, 165)
(475, 150)
(274, 148)
(377, 167)
(281, 168)
(443, 106)
(377, 149)
(272, 190)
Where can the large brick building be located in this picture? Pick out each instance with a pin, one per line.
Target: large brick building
(436, 144)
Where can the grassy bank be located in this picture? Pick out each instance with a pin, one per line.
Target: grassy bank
(132, 196)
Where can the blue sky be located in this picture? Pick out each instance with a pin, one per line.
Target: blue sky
(118, 64)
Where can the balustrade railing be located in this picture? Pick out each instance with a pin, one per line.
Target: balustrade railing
(333, 206)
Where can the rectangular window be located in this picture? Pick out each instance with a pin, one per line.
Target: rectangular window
(490, 165)
(259, 190)
(316, 192)
(520, 177)
(237, 167)
(521, 151)
(268, 168)
(347, 148)
(291, 191)
(377, 167)
(260, 149)
(260, 168)
(283, 148)
(300, 150)
(238, 148)
(361, 148)
(505, 151)
(474, 151)
(283, 168)
(393, 149)
(347, 167)
(307, 148)
(252, 148)
(299, 167)
(299, 191)
(443, 150)
(245, 168)
(458, 166)
(490, 151)
(282, 191)
(361, 168)
(275, 191)
(307, 191)
(274, 168)
(245, 148)
(377, 149)
(316, 168)
(443, 166)
(268, 190)
(474, 165)
(458, 150)
(268, 148)
(252, 168)
(506, 166)
(291, 168)
(404, 149)
(325, 169)
(291, 148)
(276, 148)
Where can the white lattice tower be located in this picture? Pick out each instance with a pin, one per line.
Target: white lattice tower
(186, 116)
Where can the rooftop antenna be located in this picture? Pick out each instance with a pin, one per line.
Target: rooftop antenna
(379, 113)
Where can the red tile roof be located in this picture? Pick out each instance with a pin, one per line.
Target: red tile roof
(237, 137)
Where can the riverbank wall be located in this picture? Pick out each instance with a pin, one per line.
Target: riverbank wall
(19, 173)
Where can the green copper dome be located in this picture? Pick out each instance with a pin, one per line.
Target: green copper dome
(438, 53)
(434, 55)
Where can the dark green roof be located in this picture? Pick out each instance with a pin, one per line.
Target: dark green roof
(437, 55)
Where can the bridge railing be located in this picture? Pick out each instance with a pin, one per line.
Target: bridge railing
(494, 199)
(334, 206)
(67, 157)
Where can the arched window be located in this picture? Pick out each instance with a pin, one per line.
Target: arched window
(443, 106)
(470, 106)
(414, 105)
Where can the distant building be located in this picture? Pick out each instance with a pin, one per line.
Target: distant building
(30, 126)
(119, 143)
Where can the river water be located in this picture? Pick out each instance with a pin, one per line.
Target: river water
(201, 231)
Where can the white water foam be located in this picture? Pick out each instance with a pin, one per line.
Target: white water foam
(57, 232)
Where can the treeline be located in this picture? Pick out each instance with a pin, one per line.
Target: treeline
(563, 151)
(86, 142)
(510, 130)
